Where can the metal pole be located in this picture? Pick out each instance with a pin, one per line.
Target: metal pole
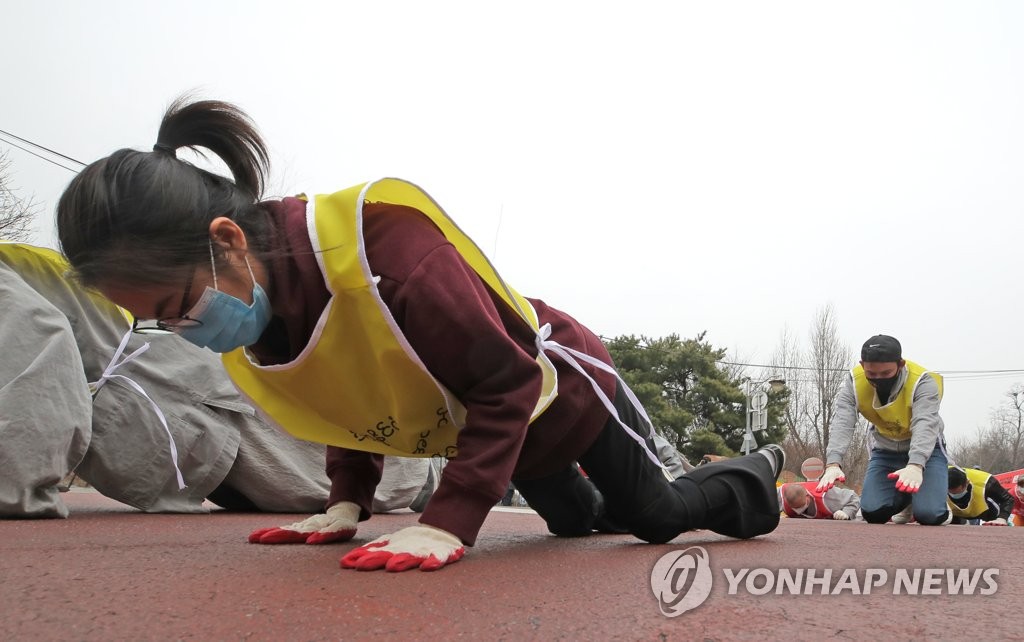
(747, 438)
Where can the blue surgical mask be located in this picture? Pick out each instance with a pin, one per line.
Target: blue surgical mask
(227, 322)
(962, 493)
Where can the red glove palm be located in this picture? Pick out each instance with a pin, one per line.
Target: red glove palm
(423, 547)
(908, 479)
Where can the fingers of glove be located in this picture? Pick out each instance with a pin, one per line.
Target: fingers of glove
(404, 561)
(907, 487)
(372, 560)
(326, 537)
(832, 475)
(351, 559)
(432, 563)
(254, 537)
(282, 536)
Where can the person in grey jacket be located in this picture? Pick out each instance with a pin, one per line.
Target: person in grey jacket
(907, 465)
(60, 413)
(797, 500)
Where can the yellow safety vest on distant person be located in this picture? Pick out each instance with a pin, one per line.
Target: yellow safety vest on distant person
(977, 506)
(358, 383)
(893, 419)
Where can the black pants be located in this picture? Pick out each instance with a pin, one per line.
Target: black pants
(736, 497)
(229, 498)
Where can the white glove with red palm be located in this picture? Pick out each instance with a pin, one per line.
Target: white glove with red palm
(999, 521)
(908, 480)
(833, 473)
(338, 524)
(423, 547)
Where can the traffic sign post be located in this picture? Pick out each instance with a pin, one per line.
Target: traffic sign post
(812, 468)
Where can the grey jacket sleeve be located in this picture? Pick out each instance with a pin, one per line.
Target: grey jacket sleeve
(130, 458)
(843, 499)
(843, 423)
(925, 423)
(220, 439)
(401, 482)
(672, 459)
(45, 406)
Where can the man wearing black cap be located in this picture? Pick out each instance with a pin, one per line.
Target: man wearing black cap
(908, 464)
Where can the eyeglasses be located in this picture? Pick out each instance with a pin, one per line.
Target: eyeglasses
(171, 325)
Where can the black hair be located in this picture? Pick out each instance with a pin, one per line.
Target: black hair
(143, 217)
(957, 478)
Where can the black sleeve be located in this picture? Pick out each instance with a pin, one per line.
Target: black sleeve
(995, 491)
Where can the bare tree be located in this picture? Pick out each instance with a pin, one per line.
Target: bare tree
(999, 447)
(816, 375)
(16, 213)
(855, 463)
(828, 359)
(790, 359)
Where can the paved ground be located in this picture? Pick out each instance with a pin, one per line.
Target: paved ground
(109, 573)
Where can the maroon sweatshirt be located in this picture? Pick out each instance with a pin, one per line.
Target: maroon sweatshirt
(468, 338)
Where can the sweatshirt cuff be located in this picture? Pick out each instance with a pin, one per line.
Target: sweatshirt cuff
(460, 511)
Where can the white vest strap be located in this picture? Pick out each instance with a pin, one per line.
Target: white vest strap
(568, 354)
(108, 374)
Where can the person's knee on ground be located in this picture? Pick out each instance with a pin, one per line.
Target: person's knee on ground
(879, 515)
(932, 517)
(878, 511)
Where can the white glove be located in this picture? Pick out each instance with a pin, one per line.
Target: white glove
(999, 521)
(423, 547)
(908, 480)
(841, 515)
(338, 524)
(833, 473)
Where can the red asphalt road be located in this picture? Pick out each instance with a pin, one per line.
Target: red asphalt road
(110, 573)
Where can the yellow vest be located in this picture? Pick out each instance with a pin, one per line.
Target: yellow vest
(891, 420)
(33, 262)
(977, 505)
(358, 383)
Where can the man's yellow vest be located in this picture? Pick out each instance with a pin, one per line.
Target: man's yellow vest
(977, 506)
(358, 383)
(891, 420)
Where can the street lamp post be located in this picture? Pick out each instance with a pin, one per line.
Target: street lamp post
(757, 408)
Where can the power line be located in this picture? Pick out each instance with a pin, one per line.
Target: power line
(959, 375)
(37, 155)
(945, 373)
(47, 149)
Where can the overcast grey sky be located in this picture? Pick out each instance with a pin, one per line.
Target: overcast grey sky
(649, 167)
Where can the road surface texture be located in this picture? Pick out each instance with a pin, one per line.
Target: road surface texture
(112, 573)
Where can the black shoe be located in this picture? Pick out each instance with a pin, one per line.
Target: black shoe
(776, 457)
